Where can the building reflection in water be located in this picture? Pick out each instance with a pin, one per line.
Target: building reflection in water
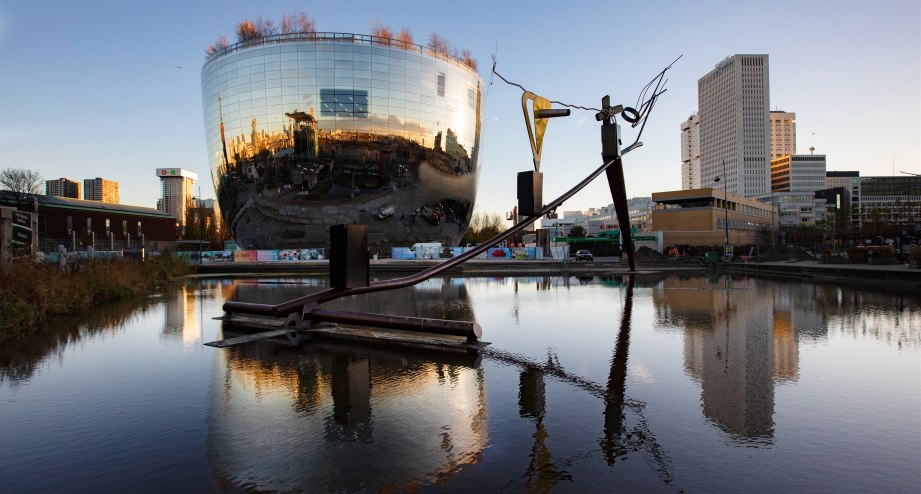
(183, 309)
(181, 317)
(740, 339)
(400, 416)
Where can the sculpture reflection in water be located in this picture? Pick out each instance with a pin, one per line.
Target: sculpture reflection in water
(543, 473)
(618, 441)
(356, 416)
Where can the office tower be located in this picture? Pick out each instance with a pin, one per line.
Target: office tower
(63, 187)
(733, 103)
(783, 134)
(690, 153)
(100, 189)
(177, 192)
(798, 173)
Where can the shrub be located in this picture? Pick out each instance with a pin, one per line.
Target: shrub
(857, 254)
(914, 254)
(881, 251)
(49, 292)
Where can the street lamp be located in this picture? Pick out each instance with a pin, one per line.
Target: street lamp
(725, 206)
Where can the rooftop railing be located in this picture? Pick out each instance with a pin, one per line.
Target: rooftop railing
(330, 37)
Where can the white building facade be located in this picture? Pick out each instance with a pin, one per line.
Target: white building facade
(177, 186)
(733, 103)
(690, 153)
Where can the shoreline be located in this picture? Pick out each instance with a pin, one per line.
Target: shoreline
(897, 275)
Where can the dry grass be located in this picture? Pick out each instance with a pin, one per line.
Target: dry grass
(31, 293)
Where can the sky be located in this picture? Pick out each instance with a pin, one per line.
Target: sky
(113, 89)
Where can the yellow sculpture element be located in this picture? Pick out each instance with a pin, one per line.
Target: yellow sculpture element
(535, 134)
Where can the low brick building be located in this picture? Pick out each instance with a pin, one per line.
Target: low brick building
(77, 224)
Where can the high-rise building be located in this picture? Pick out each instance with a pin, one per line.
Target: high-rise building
(783, 133)
(798, 173)
(100, 189)
(690, 153)
(733, 103)
(177, 192)
(63, 187)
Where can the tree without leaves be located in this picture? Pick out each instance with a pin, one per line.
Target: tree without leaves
(380, 30)
(305, 24)
(22, 182)
(439, 45)
(482, 227)
(246, 31)
(405, 36)
(265, 27)
(220, 44)
(468, 60)
(297, 23)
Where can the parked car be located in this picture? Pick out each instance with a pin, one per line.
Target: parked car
(584, 255)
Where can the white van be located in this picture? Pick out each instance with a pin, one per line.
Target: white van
(427, 250)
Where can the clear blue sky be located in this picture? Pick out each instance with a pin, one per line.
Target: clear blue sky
(112, 89)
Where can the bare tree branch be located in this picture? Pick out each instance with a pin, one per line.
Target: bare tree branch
(22, 182)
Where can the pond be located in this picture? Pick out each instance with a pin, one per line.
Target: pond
(661, 383)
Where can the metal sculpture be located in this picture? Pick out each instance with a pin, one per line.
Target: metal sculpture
(303, 311)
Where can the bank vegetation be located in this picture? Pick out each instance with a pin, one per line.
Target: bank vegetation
(32, 293)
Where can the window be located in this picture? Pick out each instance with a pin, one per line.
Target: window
(440, 83)
(108, 225)
(125, 227)
(70, 224)
(89, 225)
(344, 103)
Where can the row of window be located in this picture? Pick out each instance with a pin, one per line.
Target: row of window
(108, 225)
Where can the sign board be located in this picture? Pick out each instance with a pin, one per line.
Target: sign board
(176, 172)
(22, 219)
(22, 234)
(729, 250)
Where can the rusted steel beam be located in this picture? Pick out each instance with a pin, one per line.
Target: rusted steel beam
(249, 308)
(467, 329)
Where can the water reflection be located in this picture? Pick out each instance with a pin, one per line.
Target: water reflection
(333, 404)
(729, 350)
(742, 336)
(20, 360)
(614, 420)
(557, 402)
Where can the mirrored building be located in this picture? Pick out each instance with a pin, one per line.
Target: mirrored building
(309, 130)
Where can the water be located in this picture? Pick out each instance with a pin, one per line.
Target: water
(679, 383)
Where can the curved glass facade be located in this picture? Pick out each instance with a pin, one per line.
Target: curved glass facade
(315, 130)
